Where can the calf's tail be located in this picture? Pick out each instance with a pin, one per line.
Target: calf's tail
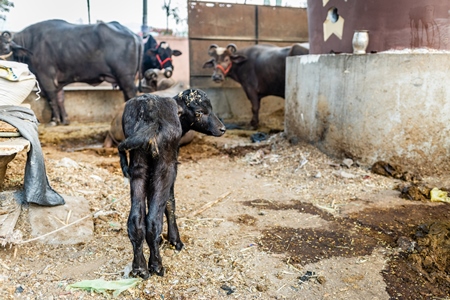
(124, 163)
(145, 139)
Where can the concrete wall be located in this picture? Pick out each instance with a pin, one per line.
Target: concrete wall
(231, 103)
(391, 106)
(89, 104)
(99, 104)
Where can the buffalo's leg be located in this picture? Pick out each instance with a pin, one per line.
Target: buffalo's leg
(61, 108)
(128, 87)
(52, 98)
(172, 228)
(256, 103)
(136, 220)
(52, 93)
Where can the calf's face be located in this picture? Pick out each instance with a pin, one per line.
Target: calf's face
(196, 113)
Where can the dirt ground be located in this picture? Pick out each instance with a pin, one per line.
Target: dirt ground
(268, 220)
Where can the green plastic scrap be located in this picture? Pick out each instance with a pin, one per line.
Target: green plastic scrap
(101, 285)
(436, 195)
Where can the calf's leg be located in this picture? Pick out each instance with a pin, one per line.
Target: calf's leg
(158, 193)
(136, 221)
(172, 228)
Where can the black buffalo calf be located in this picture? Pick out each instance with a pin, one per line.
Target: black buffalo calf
(153, 127)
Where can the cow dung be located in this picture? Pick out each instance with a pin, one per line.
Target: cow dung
(432, 251)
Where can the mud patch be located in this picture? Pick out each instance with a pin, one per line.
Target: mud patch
(68, 138)
(302, 207)
(411, 272)
(236, 144)
(245, 219)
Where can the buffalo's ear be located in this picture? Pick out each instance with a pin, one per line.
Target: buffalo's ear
(212, 49)
(7, 35)
(19, 50)
(151, 52)
(238, 58)
(209, 64)
(232, 48)
(176, 52)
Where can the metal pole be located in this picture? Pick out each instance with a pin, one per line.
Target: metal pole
(256, 25)
(89, 10)
(144, 27)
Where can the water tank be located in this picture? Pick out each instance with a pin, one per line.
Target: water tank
(392, 24)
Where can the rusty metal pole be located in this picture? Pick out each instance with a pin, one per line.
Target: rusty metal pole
(144, 27)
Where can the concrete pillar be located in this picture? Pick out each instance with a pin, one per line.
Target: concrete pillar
(391, 106)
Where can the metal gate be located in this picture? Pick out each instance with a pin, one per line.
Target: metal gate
(241, 24)
(244, 25)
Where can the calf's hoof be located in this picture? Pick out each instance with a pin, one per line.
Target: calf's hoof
(158, 270)
(178, 245)
(143, 273)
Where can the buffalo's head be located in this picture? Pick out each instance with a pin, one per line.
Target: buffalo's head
(8, 47)
(160, 57)
(196, 113)
(155, 80)
(222, 60)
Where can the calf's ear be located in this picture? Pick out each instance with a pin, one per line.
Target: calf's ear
(176, 53)
(180, 110)
(209, 64)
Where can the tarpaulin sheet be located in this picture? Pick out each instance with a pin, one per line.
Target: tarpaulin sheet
(36, 186)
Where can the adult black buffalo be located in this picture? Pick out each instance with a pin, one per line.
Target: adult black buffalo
(158, 56)
(60, 53)
(260, 69)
